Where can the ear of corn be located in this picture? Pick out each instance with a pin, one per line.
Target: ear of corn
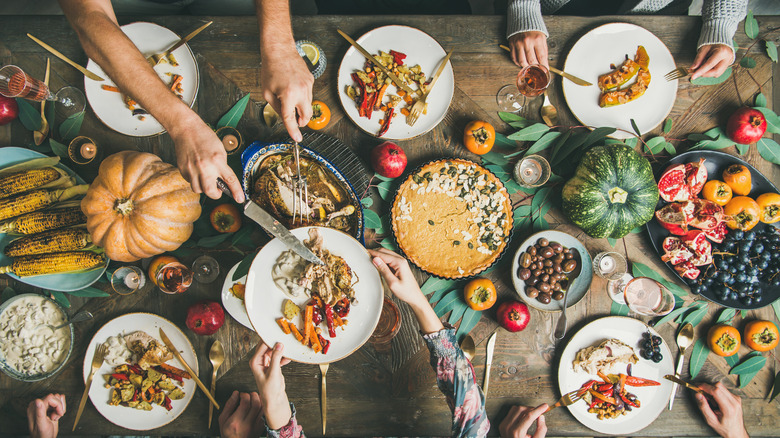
(37, 200)
(35, 163)
(44, 220)
(55, 263)
(27, 180)
(64, 239)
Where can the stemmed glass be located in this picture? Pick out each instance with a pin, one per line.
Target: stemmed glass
(14, 82)
(531, 82)
(206, 269)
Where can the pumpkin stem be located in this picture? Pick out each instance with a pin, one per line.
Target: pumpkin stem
(124, 206)
(617, 195)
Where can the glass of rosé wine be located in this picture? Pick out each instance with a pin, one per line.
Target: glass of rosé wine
(531, 82)
(14, 82)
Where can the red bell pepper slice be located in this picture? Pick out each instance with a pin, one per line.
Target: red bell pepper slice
(604, 387)
(167, 403)
(602, 397)
(325, 344)
(329, 321)
(588, 384)
(119, 376)
(638, 381)
(136, 369)
(398, 57)
(628, 401)
(386, 124)
(342, 307)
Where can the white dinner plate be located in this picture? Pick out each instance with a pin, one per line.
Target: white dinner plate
(234, 306)
(130, 418)
(591, 57)
(653, 399)
(264, 299)
(109, 107)
(420, 48)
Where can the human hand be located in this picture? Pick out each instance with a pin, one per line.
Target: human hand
(43, 416)
(711, 61)
(395, 270)
(266, 365)
(287, 86)
(529, 48)
(242, 416)
(725, 416)
(519, 420)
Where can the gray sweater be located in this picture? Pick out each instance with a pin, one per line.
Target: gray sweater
(720, 17)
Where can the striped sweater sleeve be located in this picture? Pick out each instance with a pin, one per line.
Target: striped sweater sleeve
(524, 16)
(721, 18)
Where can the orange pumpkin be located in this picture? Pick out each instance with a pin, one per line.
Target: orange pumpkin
(480, 294)
(723, 340)
(769, 206)
(479, 137)
(139, 206)
(717, 191)
(761, 335)
(742, 213)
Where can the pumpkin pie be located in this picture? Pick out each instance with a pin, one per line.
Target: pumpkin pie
(452, 218)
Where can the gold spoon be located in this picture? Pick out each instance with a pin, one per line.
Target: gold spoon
(40, 134)
(549, 113)
(468, 347)
(216, 356)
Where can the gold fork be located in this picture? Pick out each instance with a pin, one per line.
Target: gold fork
(419, 106)
(324, 402)
(97, 362)
(567, 399)
(679, 72)
(300, 189)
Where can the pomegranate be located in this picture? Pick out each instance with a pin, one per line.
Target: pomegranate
(687, 270)
(675, 251)
(701, 247)
(706, 214)
(205, 317)
(695, 177)
(9, 110)
(681, 182)
(673, 217)
(513, 315)
(718, 233)
(746, 126)
(388, 160)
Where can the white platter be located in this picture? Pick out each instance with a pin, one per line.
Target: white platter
(234, 306)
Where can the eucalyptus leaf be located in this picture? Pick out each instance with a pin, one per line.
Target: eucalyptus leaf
(751, 364)
(671, 316)
(540, 198)
(618, 309)
(500, 172)
(772, 120)
(388, 243)
(371, 219)
(667, 126)
(670, 149)
(760, 100)
(29, 116)
(212, 241)
(495, 158)
(243, 267)
(748, 62)
(70, 127)
(775, 388)
(636, 128)
(559, 142)
(612, 242)
(436, 284)
(642, 270)
(523, 210)
(631, 142)
(469, 320)
(510, 117)
(58, 148)
(771, 50)
(521, 124)
(696, 315)
(436, 296)
(744, 379)
(383, 178)
(457, 313)
(531, 133)
(769, 149)
(60, 298)
(713, 139)
(384, 189)
(712, 81)
(554, 178)
(447, 303)
(655, 145)
(699, 355)
(726, 315)
(367, 202)
(743, 313)
(567, 148)
(545, 208)
(543, 143)
(751, 26)
(776, 307)
(89, 292)
(501, 140)
(234, 114)
(243, 235)
(742, 149)
(732, 360)
(638, 229)
(540, 224)
(702, 137)
(512, 187)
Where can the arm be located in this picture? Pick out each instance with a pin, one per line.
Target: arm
(724, 412)
(199, 154)
(287, 82)
(526, 32)
(720, 20)
(266, 365)
(43, 416)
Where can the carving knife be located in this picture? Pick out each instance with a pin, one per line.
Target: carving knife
(491, 345)
(273, 226)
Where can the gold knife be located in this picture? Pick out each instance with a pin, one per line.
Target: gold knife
(682, 382)
(54, 52)
(491, 344)
(398, 82)
(176, 353)
(568, 76)
(155, 58)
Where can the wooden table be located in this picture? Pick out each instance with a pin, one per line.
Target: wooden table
(371, 392)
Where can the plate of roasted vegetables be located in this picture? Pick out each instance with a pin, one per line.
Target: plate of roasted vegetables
(140, 385)
(374, 102)
(178, 71)
(622, 391)
(626, 63)
(321, 313)
(43, 236)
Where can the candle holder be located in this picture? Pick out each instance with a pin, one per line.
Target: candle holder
(83, 150)
(231, 139)
(127, 280)
(532, 171)
(313, 55)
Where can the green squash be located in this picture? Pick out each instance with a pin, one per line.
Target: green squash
(612, 192)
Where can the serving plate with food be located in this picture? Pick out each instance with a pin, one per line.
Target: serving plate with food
(413, 55)
(49, 213)
(233, 297)
(626, 63)
(711, 228)
(140, 385)
(179, 71)
(605, 357)
(320, 313)
(269, 170)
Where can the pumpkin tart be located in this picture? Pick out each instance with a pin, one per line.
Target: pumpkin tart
(452, 218)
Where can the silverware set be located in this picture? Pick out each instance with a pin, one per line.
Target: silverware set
(419, 107)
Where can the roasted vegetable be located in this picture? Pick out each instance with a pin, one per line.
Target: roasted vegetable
(626, 95)
(621, 75)
(65, 239)
(37, 200)
(20, 182)
(44, 264)
(44, 220)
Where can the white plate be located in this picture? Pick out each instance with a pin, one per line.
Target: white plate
(108, 106)
(653, 399)
(264, 300)
(136, 419)
(233, 305)
(421, 49)
(591, 57)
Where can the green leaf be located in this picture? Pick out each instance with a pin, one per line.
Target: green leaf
(521, 124)
(500, 172)
(367, 202)
(732, 360)
(775, 388)
(212, 241)
(456, 314)
(748, 62)
(567, 147)
(543, 143)
(501, 140)
(771, 50)
(655, 145)
(470, 319)
(638, 229)
(743, 313)
(243, 236)
(233, 115)
(713, 139)
(742, 149)
(641, 270)
(70, 127)
(447, 303)
(769, 149)
(541, 198)
(60, 298)
(669, 148)
(371, 219)
(751, 26)
(495, 158)
(712, 81)
(243, 268)
(772, 120)
(631, 142)
(511, 117)
(696, 315)
(89, 292)
(29, 116)
(751, 364)
(745, 378)
(760, 100)
(388, 243)
(618, 309)
(436, 296)
(8, 293)
(384, 189)
(521, 211)
(383, 178)
(667, 126)
(612, 242)
(58, 148)
(636, 128)
(436, 284)
(703, 137)
(671, 316)
(511, 186)
(540, 224)
(698, 357)
(726, 315)
(776, 307)
(531, 133)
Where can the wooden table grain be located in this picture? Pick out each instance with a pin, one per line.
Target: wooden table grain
(388, 393)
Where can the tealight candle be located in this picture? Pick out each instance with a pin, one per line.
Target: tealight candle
(88, 151)
(532, 171)
(607, 264)
(132, 280)
(230, 142)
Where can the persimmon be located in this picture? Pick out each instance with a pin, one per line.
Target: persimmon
(225, 218)
(479, 137)
(157, 264)
(740, 180)
(480, 294)
(761, 335)
(723, 340)
(320, 116)
(769, 207)
(717, 191)
(742, 213)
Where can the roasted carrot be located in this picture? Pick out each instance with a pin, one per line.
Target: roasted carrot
(110, 88)
(307, 322)
(405, 111)
(379, 97)
(284, 325)
(295, 332)
(315, 341)
(401, 93)
(176, 81)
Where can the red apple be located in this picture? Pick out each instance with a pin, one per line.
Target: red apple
(513, 315)
(388, 160)
(205, 317)
(746, 126)
(8, 109)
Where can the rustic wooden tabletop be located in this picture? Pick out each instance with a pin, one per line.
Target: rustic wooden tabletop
(389, 393)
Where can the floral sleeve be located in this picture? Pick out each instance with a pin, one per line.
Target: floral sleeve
(455, 377)
(291, 430)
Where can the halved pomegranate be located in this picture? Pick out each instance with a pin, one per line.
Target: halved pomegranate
(718, 233)
(695, 177)
(674, 218)
(687, 270)
(706, 214)
(697, 242)
(702, 259)
(675, 251)
(672, 185)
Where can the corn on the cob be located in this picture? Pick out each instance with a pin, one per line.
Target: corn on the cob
(65, 239)
(45, 220)
(37, 200)
(27, 180)
(55, 263)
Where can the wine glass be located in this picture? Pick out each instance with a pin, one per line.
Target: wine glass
(14, 82)
(127, 279)
(532, 80)
(206, 269)
(646, 296)
(174, 278)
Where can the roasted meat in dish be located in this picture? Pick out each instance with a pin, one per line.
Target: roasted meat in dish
(331, 282)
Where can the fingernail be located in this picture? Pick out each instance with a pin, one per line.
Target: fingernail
(278, 346)
(377, 262)
(234, 395)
